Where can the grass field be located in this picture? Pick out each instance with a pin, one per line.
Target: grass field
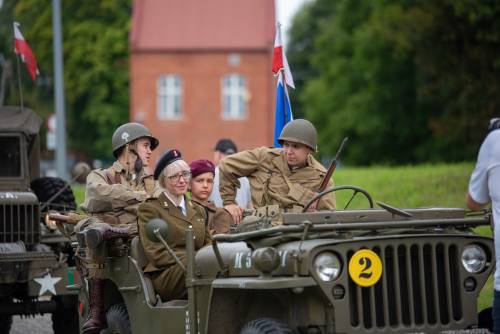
(441, 185)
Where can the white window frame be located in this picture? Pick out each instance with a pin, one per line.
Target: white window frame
(234, 88)
(169, 92)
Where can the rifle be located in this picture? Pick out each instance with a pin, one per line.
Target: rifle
(71, 218)
(332, 167)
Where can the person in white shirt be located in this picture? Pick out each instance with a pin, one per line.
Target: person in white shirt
(484, 187)
(223, 148)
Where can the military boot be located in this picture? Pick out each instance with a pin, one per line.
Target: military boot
(94, 236)
(96, 318)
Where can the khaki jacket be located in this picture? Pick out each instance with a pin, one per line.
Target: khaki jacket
(219, 220)
(162, 207)
(271, 180)
(112, 198)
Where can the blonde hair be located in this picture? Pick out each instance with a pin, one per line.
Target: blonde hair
(171, 169)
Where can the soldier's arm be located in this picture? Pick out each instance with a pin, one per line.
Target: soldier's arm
(303, 194)
(98, 188)
(235, 166)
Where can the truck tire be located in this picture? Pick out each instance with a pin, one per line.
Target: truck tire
(118, 320)
(46, 187)
(65, 319)
(265, 326)
(5, 323)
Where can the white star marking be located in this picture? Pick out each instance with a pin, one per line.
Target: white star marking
(47, 283)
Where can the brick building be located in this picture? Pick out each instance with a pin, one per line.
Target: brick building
(200, 70)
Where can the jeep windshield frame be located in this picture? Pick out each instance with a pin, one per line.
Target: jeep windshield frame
(412, 224)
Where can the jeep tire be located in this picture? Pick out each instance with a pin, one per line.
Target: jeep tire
(265, 326)
(118, 320)
(46, 187)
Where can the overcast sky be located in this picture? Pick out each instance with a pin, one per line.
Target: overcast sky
(285, 9)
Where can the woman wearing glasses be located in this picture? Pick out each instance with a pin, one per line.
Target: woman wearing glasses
(170, 204)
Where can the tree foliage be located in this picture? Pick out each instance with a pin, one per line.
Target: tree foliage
(95, 52)
(407, 81)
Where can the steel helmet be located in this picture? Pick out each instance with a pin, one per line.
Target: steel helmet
(129, 132)
(300, 131)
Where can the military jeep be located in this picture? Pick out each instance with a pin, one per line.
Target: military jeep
(371, 270)
(35, 257)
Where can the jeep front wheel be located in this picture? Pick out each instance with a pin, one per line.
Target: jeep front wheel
(265, 326)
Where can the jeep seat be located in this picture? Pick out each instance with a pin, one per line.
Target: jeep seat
(137, 253)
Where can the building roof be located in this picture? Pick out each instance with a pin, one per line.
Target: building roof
(202, 25)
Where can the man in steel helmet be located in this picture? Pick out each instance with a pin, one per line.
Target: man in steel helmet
(287, 177)
(112, 197)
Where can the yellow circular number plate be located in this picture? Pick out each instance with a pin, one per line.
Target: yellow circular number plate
(365, 268)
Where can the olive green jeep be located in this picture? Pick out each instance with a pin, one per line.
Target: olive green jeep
(370, 270)
(36, 261)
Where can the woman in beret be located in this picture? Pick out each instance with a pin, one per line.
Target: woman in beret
(202, 183)
(170, 204)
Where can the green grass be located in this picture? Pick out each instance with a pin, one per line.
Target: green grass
(79, 192)
(440, 185)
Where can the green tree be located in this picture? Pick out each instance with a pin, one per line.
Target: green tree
(95, 41)
(407, 81)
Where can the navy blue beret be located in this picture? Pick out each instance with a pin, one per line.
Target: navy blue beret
(166, 159)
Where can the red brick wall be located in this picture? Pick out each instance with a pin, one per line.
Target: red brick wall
(201, 124)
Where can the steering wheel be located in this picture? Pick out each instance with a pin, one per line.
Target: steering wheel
(355, 190)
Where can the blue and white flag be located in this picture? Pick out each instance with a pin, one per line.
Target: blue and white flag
(283, 112)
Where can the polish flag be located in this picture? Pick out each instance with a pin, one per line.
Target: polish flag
(22, 49)
(283, 111)
(279, 58)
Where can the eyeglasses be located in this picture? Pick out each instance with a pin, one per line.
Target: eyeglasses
(177, 177)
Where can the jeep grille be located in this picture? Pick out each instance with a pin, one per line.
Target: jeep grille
(420, 285)
(20, 222)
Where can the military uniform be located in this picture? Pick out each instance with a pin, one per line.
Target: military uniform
(167, 276)
(111, 198)
(219, 220)
(271, 179)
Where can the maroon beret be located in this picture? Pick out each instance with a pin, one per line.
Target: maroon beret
(201, 166)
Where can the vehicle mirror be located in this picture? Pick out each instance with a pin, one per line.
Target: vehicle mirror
(80, 172)
(159, 225)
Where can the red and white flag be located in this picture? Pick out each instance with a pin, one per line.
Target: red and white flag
(22, 49)
(279, 58)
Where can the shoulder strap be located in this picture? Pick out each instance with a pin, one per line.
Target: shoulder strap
(109, 176)
(112, 177)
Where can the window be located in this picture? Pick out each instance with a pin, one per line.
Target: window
(10, 155)
(234, 96)
(169, 97)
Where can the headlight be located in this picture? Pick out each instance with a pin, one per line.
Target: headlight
(474, 258)
(327, 266)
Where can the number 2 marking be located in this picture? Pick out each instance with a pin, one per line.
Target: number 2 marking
(365, 272)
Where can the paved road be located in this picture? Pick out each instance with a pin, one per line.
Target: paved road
(37, 325)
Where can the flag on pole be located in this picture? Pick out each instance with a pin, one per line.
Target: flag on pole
(22, 49)
(283, 112)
